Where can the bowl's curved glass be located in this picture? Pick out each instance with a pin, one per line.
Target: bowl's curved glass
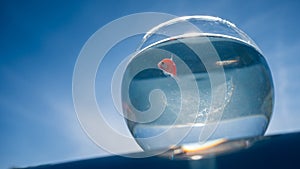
(221, 86)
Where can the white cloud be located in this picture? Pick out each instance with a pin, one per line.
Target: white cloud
(287, 87)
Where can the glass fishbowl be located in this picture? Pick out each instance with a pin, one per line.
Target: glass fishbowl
(195, 79)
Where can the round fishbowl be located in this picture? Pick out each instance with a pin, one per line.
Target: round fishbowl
(195, 79)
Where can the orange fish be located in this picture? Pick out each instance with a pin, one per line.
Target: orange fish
(168, 66)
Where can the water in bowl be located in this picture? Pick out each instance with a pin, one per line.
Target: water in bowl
(246, 107)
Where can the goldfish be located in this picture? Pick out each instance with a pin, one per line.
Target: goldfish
(228, 62)
(168, 66)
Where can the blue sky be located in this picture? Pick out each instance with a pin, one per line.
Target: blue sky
(40, 42)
